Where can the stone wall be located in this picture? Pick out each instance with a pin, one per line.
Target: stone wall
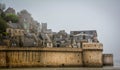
(92, 58)
(92, 54)
(108, 59)
(89, 55)
(19, 57)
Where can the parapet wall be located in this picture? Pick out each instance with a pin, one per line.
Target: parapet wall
(92, 46)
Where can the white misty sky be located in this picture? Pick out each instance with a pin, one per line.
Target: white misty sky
(100, 15)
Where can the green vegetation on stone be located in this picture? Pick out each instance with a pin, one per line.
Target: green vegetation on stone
(3, 25)
(11, 17)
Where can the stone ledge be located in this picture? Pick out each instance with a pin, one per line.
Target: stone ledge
(92, 46)
(41, 49)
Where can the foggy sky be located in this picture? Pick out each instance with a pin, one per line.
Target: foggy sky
(100, 15)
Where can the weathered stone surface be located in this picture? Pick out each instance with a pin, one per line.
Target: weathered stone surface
(2, 58)
(108, 59)
(92, 54)
(92, 46)
(18, 57)
(61, 59)
(92, 58)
